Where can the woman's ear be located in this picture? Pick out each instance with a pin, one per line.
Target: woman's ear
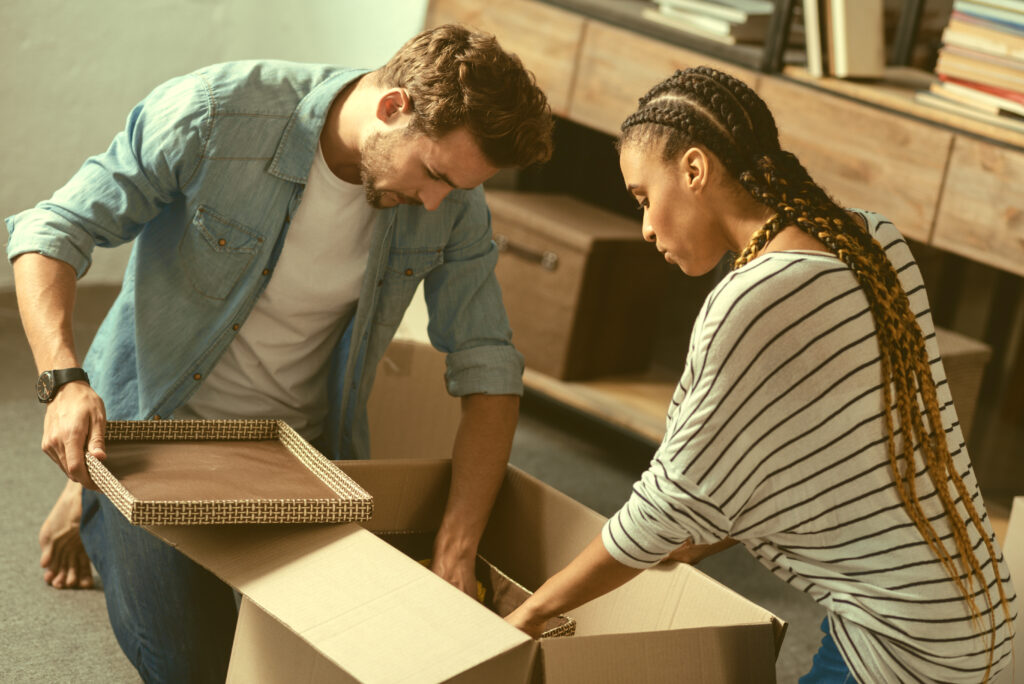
(393, 104)
(694, 167)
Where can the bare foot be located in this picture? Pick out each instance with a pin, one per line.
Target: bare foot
(63, 555)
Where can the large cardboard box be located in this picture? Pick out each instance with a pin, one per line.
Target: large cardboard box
(580, 285)
(335, 603)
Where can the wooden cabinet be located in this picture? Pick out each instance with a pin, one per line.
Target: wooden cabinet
(579, 283)
(981, 214)
(863, 156)
(545, 38)
(942, 179)
(616, 67)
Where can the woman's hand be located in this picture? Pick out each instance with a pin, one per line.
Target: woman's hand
(525, 619)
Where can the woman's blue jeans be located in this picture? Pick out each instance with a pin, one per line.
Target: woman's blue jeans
(828, 666)
(173, 619)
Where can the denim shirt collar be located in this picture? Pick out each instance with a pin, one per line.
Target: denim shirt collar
(295, 152)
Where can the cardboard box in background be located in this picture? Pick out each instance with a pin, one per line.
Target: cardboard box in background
(336, 603)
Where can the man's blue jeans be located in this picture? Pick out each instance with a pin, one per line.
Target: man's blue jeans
(828, 666)
(174, 620)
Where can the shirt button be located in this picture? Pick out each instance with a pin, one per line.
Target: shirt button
(222, 242)
(156, 416)
(266, 271)
(197, 376)
(235, 326)
(408, 271)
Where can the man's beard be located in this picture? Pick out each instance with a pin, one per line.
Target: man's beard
(376, 160)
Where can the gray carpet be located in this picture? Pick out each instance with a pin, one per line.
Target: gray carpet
(64, 636)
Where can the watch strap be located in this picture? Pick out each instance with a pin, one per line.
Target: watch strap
(66, 375)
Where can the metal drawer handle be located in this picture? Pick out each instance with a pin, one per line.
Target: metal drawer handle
(547, 259)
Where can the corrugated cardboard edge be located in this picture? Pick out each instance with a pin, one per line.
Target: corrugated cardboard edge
(109, 485)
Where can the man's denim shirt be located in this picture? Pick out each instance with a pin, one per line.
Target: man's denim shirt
(205, 178)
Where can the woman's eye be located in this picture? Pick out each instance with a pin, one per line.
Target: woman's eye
(643, 204)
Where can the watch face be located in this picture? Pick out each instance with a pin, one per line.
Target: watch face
(44, 386)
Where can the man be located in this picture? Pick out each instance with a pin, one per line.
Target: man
(283, 216)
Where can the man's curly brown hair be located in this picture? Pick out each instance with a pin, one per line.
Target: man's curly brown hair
(458, 78)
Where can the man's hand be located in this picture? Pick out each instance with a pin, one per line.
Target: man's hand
(457, 570)
(75, 423)
(691, 553)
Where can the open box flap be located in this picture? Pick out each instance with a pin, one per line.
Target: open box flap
(354, 598)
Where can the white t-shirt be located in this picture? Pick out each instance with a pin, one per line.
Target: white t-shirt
(274, 368)
(776, 437)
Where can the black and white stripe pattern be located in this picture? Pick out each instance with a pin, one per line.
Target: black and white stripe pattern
(776, 437)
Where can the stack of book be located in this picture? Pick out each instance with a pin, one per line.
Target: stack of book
(723, 21)
(845, 38)
(981, 63)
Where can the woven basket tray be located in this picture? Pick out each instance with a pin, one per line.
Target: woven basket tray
(214, 472)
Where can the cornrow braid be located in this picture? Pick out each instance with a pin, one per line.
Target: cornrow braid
(703, 106)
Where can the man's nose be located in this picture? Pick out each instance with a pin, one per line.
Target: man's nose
(648, 231)
(434, 195)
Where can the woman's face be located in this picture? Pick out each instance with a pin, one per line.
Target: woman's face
(673, 198)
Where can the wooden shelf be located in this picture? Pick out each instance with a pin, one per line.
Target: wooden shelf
(896, 93)
(635, 403)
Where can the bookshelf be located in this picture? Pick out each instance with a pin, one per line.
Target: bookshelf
(629, 14)
(947, 181)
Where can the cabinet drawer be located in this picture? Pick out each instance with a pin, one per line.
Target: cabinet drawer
(616, 67)
(864, 157)
(981, 215)
(581, 287)
(545, 38)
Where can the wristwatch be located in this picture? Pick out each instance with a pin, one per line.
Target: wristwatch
(50, 381)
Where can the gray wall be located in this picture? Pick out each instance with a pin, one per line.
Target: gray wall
(73, 70)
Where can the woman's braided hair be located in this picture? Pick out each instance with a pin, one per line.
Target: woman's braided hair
(706, 107)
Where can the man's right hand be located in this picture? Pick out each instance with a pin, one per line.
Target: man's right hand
(76, 421)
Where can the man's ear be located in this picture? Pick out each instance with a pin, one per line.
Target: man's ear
(694, 167)
(393, 104)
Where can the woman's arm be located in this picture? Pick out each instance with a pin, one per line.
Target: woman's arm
(591, 574)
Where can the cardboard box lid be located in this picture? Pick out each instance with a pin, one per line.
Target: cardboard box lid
(410, 376)
(204, 472)
(367, 608)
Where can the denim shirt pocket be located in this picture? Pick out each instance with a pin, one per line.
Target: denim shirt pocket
(216, 252)
(404, 272)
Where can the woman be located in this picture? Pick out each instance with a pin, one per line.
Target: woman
(776, 436)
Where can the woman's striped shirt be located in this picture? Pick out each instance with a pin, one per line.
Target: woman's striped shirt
(776, 437)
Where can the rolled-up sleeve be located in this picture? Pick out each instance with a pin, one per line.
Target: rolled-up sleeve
(114, 194)
(467, 317)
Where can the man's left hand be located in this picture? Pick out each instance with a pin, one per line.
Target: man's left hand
(457, 570)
